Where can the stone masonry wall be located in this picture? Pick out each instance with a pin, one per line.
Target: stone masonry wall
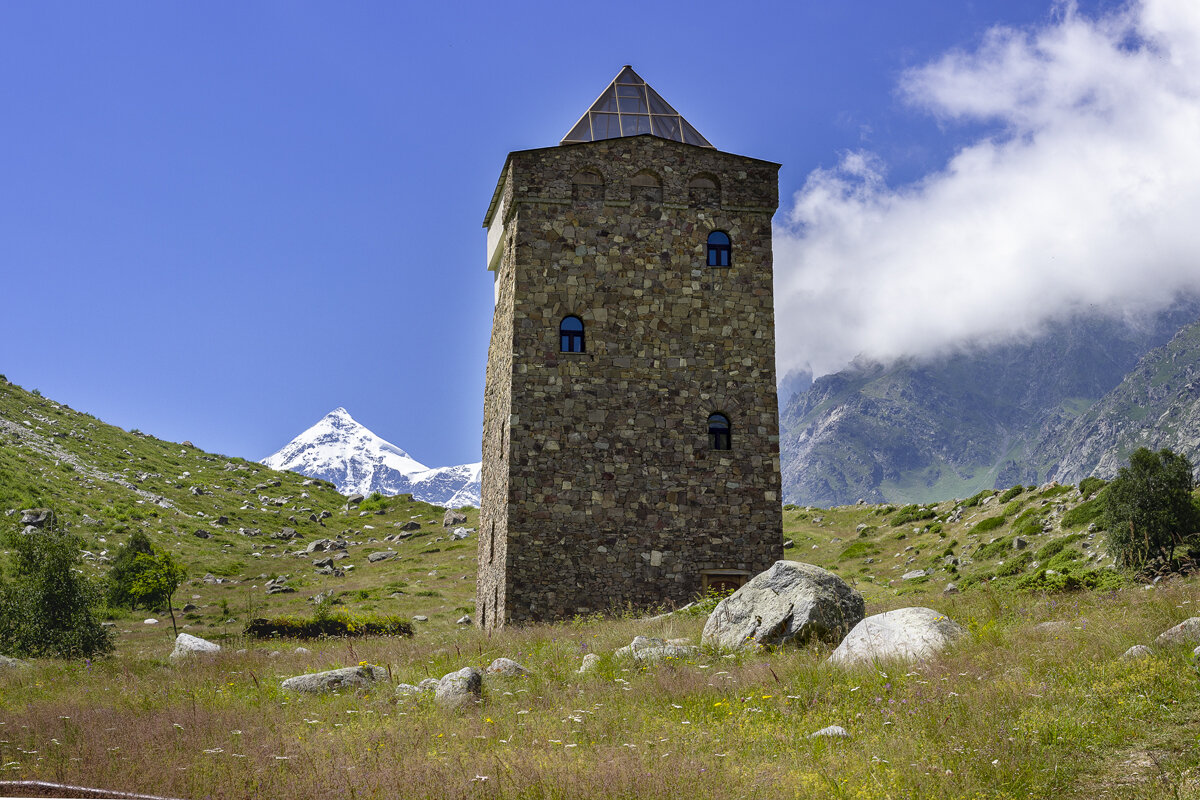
(606, 493)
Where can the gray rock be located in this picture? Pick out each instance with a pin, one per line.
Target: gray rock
(913, 575)
(317, 547)
(11, 663)
(459, 533)
(459, 689)
(280, 588)
(647, 649)
(1019, 544)
(507, 668)
(909, 634)
(589, 663)
(188, 645)
(408, 690)
(790, 602)
(354, 500)
(951, 588)
(428, 685)
(833, 730)
(347, 678)
(411, 525)
(420, 618)
(465, 619)
(381, 555)
(322, 562)
(36, 517)
(1052, 627)
(189, 607)
(453, 517)
(1187, 632)
(1138, 651)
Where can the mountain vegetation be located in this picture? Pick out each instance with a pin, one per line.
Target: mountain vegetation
(1035, 701)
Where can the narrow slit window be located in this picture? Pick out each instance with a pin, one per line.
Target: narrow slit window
(718, 432)
(570, 335)
(718, 249)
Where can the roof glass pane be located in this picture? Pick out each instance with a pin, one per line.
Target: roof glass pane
(635, 101)
(667, 128)
(607, 101)
(633, 124)
(691, 135)
(581, 132)
(657, 104)
(605, 126)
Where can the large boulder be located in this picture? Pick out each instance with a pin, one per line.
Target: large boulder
(452, 518)
(506, 667)
(459, 689)
(1187, 631)
(909, 634)
(11, 663)
(790, 602)
(188, 645)
(648, 650)
(360, 677)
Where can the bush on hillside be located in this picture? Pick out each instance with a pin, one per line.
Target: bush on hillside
(1011, 493)
(1148, 507)
(989, 524)
(333, 625)
(124, 571)
(46, 608)
(1090, 485)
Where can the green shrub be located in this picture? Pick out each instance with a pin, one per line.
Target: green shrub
(47, 609)
(911, 513)
(124, 570)
(1148, 507)
(328, 625)
(1051, 549)
(995, 548)
(1103, 579)
(988, 524)
(1009, 494)
(1014, 565)
(1085, 513)
(1090, 485)
(859, 550)
(977, 498)
(376, 502)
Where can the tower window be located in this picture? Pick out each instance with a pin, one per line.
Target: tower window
(587, 185)
(645, 187)
(570, 335)
(704, 190)
(718, 432)
(718, 249)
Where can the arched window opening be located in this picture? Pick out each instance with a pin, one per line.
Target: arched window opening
(587, 185)
(718, 249)
(703, 189)
(718, 432)
(570, 335)
(645, 187)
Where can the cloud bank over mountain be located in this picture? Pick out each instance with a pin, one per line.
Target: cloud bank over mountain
(1081, 195)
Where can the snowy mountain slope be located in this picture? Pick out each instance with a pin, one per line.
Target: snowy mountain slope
(340, 450)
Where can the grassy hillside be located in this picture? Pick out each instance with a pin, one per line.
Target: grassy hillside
(1014, 710)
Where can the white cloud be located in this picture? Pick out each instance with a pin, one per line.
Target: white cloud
(1087, 199)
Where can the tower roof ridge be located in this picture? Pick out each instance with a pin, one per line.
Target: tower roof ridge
(630, 107)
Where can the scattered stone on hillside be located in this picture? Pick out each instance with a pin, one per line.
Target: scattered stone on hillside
(459, 689)
(835, 731)
(37, 517)
(906, 633)
(411, 525)
(789, 602)
(589, 663)
(188, 645)
(88, 521)
(189, 607)
(11, 663)
(318, 546)
(428, 684)
(321, 597)
(1053, 627)
(460, 533)
(198, 491)
(951, 588)
(465, 619)
(381, 555)
(420, 618)
(200, 533)
(453, 517)
(950, 561)
(331, 571)
(1137, 652)
(302, 651)
(354, 500)
(211, 579)
(279, 586)
(150, 621)
(407, 689)
(506, 667)
(360, 677)
(913, 575)
(323, 562)
(1019, 544)
(649, 649)
(1187, 631)
(788, 543)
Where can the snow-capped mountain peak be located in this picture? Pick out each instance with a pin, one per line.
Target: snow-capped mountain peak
(340, 449)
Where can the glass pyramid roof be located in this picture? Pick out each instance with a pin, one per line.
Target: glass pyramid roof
(629, 107)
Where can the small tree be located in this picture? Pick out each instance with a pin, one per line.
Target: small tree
(1148, 507)
(123, 572)
(46, 610)
(157, 576)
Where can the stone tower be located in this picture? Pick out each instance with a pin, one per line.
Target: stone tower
(631, 433)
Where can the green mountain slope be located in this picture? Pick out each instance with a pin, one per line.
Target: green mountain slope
(921, 431)
(1156, 405)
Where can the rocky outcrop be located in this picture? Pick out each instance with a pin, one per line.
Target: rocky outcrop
(188, 645)
(459, 689)
(789, 603)
(360, 677)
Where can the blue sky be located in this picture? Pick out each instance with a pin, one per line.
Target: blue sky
(219, 221)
